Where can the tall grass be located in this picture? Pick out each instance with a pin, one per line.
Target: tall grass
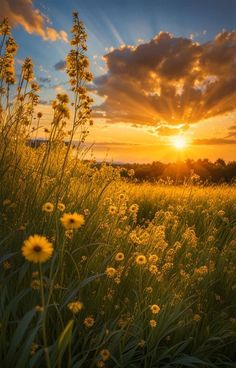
(141, 246)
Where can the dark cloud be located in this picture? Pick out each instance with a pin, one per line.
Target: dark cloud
(169, 80)
(60, 65)
(214, 141)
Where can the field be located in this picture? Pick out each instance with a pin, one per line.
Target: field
(97, 270)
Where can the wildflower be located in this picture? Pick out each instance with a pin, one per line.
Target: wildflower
(33, 349)
(155, 309)
(196, 317)
(100, 364)
(112, 210)
(105, 354)
(48, 207)
(72, 220)
(110, 272)
(119, 256)
(122, 196)
(86, 211)
(153, 258)
(89, 322)
(61, 207)
(201, 271)
(153, 269)
(6, 265)
(38, 309)
(153, 323)
(69, 234)
(134, 208)
(37, 249)
(6, 202)
(140, 260)
(141, 343)
(75, 307)
(35, 284)
(149, 289)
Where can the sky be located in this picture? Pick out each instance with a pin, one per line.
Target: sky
(164, 71)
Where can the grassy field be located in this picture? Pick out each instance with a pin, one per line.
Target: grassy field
(96, 270)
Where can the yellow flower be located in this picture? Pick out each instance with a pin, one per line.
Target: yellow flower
(110, 272)
(140, 260)
(196, 317)
(37, 249)
(61, 207)
(89, 321)
(134, 208)
(75, 307)
(153, 323)
(112, 210)
(72, 220)
(149, 289)
(48, 207)
(105, 354)
(155, 309)
(153, 269)
(153, 258)
(119, 256)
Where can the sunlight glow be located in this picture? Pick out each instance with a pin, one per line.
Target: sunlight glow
(179, 142)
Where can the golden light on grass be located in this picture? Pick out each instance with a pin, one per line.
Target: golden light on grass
(179, 142)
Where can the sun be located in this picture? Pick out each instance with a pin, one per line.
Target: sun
(179, 142)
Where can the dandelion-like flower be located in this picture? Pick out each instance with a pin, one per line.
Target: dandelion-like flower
(48, 207)
(155, 309)
(37, 249)
(153, 323)
(111, 272)
(75, 307)
(89, 322)
(61, 207)
(112, 210)
(153, 258)
(141, 260)
(105, 354)
(134, 208)
(72, 220)
(119, 256)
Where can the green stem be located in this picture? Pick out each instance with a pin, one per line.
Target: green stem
(43, 318)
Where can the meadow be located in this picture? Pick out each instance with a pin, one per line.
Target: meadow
(97, 270)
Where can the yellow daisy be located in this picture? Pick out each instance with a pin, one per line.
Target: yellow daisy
(89, 321)
(110, 272)
(105, 354)
(75, 307)
(72, 220)
(155, 309)
(48, 207)
(61, 207)
(37, 249)
(140, 260)
(153, 323)
(119, 256)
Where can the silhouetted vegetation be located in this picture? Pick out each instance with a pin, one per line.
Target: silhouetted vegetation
(181, 171)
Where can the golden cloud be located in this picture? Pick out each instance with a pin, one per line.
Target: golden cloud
(169, 81)
(22, 12)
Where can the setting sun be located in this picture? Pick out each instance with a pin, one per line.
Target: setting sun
(179, 142)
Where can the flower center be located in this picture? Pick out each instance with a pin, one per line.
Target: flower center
(37, 248)
(72, 220)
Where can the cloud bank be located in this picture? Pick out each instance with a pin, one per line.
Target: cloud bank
(169, 81)
(22, 12)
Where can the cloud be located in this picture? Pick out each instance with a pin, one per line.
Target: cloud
(22, 12)
(60, 65)
(214, 141)
(169, 80)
